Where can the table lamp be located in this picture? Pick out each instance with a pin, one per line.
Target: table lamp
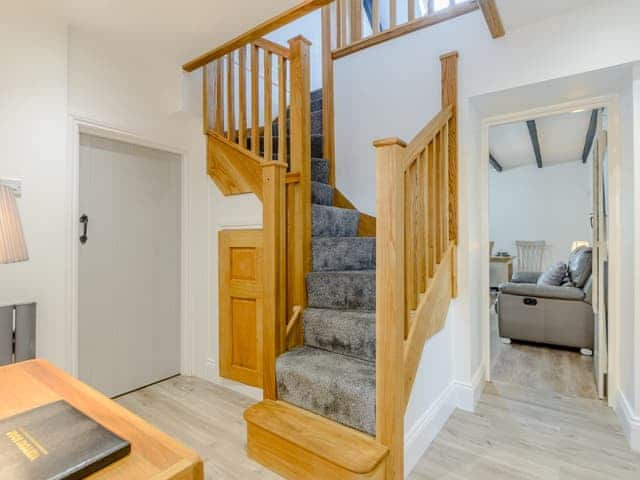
(13, 247)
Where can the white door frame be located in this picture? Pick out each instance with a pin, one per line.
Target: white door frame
(611, 103)
(79, 125)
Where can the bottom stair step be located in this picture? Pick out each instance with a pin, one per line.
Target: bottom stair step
(340, 388)
(300, 445)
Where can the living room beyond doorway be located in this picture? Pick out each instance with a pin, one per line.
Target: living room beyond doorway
(548, 252)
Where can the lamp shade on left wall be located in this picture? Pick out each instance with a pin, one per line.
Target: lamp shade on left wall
(13, 247)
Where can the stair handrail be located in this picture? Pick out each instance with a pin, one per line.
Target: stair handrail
(416, 192)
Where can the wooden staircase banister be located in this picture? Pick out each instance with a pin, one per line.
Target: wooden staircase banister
(256, 33)
(416, 191)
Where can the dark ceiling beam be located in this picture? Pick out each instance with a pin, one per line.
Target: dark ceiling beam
(494, 163)
(492, 17)
(535, 141)
(591, 135)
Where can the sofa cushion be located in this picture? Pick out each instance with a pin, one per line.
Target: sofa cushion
(554, 275)
(580, 266)
(525, 277)
(542, 291)
(588, 291)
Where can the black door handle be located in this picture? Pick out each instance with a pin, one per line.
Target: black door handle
(85, 221)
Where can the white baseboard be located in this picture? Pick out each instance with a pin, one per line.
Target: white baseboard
(211, 374)
(630, 421)
(418, 439)
(469, 393)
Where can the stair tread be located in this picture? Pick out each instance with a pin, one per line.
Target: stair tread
(335, 386)
(329, 221)
(347, 332)
(343, 446)
(343, 253)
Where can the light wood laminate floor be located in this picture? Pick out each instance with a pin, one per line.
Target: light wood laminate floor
(559, 370)
(516, 433)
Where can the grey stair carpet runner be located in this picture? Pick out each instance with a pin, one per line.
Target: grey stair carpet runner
(333, 374)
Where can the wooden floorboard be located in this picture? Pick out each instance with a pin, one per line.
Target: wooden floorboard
(516, 433)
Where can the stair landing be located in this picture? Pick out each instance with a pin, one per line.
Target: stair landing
(300, 445)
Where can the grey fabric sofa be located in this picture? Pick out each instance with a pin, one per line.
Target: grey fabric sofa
(556, 315)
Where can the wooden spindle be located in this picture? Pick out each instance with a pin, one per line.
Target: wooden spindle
(339, 36)
(219, 96)
(438, 195)
(255, 100)
(393, 13)
(411, 5)
(282, 110)
(427, 208)
(432, 208)
(268, 106)
(409, 239)
(375, 16)
(242, 97)
(356, 20)
(209, 96)
(445, 185)
(343, 21)
(421, 238)
(231, 101)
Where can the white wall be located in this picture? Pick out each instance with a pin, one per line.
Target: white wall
(594, 37)
(33, 105)
(551, 204)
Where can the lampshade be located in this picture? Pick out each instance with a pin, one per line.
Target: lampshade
(12, 245)
(579, 243)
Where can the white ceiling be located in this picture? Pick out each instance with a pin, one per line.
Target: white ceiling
(562, 139)
(187, 28)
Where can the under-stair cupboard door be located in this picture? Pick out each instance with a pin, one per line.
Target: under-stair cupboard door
(240, 345)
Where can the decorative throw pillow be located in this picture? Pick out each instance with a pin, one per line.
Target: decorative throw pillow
(554, 276)
(580, 266)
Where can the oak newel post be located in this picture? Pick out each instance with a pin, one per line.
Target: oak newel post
(390, 302)
(274, 271)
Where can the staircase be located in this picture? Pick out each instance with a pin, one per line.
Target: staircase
(345, 314)
(333, 373)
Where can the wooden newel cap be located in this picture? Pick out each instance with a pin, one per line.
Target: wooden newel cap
(300, 38)
(450, 54)
(388, 142)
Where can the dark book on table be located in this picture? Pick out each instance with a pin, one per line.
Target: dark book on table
(56, 442)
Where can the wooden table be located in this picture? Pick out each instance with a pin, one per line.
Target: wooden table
(500, 270)
(154, 455)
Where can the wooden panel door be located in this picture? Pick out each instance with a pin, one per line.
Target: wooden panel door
(241, 306)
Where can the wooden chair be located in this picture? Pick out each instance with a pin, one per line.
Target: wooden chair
(529, 256)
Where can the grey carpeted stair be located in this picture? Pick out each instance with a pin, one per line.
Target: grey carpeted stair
(335, 386)
(321, 193)
(333, 375)
(342, 290)
(343, 253)
(319, 170)
(348, 332)
(334, 221)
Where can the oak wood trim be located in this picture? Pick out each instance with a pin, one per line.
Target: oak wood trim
(234, 169)
(404, 29)
(328, 112)
(299, 444)
(492, 17)
(293, 321)
(272, 47)
(428, 319)
(367, 226)
(427, 134)
(390, 304)
(256, 33)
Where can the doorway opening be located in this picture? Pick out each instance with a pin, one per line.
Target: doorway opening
(548, 219)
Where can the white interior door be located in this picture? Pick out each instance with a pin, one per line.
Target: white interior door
(600, 258)
(129, 266)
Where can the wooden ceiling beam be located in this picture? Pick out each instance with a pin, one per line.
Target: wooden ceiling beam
(492, 17)
(494, 163)
(535, 141)
(591, 135)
